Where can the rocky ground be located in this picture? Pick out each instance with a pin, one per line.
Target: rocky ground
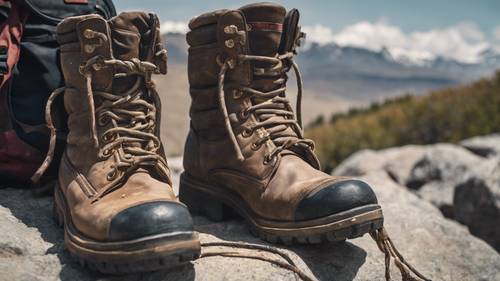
(416, 185)
(463, 180)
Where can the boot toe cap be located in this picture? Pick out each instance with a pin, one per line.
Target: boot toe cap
(337, 197)
(150, 219)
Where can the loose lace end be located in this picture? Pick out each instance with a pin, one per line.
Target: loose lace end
(387, 247)
(223, 108)
(52, 144)
(286, 264)
(90, 99)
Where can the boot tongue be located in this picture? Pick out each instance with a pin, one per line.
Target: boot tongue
(265, 21)
(266, 24)
(128, 31)
(131, 34)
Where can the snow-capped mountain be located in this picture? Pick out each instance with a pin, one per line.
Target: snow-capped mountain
(490, 56)
(359, 73)
(364, 75)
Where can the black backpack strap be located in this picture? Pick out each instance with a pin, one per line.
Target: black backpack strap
(4, 67)
(106, 8)
(54, 11)
(27, 128)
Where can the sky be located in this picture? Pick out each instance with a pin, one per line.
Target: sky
(417, 30)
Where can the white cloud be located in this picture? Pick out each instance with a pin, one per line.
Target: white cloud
(174, 27)
(496, 34)
(319, 34)
(462, 42)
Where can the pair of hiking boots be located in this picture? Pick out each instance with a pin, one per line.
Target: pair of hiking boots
(245, 152)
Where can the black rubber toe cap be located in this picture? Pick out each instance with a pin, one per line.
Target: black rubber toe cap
(150, 219)
(335, 198)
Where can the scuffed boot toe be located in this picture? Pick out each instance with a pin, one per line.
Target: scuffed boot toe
(338, 197)
(150, 219)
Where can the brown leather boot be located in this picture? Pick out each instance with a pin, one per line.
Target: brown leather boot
(246, 150)
(114, 191)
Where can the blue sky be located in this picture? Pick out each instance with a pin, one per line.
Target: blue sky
(410, 15)
(415, 30)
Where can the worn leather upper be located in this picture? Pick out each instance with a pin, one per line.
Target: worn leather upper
(272, 189)
(105, 186)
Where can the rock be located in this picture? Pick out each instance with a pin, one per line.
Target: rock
(440, 195)
(485, 146)
(398, 162)
(432, 171)
(477, 202)
(444, 163)
(412, 165)
(463, 185)
(31, 246)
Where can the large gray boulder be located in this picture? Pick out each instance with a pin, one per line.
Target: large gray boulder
(31, 246)
(397, 162)
(413, 165)
(462, 184)
(445, 163)
(486, 146)
(432, 171)
(477, 201)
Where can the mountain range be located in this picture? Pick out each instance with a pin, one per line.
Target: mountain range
(359, 75)
(335, 77)
(364, 75)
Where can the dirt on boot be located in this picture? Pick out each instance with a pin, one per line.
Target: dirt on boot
(245, 151)
(114, 194)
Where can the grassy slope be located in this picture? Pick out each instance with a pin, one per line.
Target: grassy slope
(447, 115)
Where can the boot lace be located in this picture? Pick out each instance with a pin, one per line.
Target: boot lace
(131, 138)
(275, 105)
(380, 236)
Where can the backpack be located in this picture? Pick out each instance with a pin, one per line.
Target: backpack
(30, 68)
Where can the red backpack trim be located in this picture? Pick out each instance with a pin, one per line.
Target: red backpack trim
(11, 32)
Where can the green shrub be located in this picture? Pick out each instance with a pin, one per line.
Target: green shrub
(447, 115)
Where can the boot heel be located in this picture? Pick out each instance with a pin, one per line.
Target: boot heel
(201, 203)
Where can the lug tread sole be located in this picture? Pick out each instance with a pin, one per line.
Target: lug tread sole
(217, 209)
(161, 262)
(338, 236)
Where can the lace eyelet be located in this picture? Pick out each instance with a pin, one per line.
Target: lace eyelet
(255, 146)
(247, 132)
(244, 114)
(106, 153)
(237, 94)
(107, 138)
(103, 120)
(268, 160)
(112, 175)
(229, 43)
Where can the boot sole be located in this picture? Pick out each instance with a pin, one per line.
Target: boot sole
(144, 254)
(219, 203)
